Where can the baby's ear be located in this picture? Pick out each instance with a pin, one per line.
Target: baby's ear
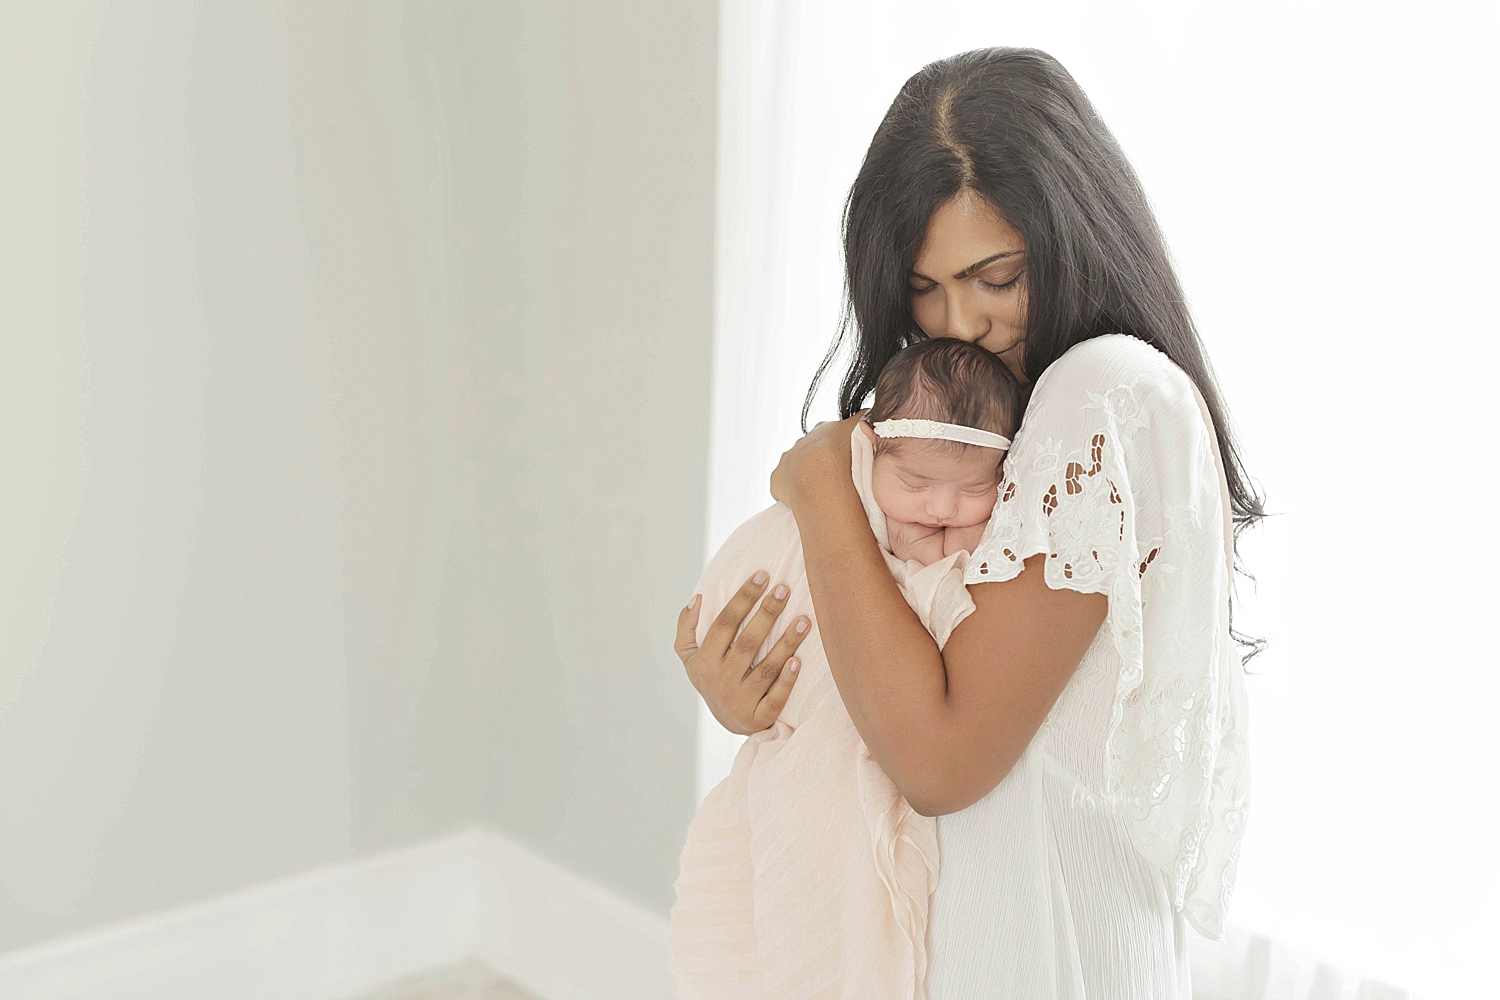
(864, 425)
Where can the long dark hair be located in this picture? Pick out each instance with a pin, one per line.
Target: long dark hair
(1014, 126)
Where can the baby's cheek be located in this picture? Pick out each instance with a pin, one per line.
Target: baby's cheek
(975, 510)
(895, 503)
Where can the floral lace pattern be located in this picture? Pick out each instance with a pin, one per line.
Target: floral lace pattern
(1112, 478)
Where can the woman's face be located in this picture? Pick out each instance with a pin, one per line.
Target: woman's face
(969, 281)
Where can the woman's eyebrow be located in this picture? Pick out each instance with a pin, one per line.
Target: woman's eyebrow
(974, 267)
(979, 265)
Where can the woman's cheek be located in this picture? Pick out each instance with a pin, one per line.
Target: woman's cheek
(927, 313)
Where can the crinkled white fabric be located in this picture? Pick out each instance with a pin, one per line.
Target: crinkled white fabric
(806, 875)
(1075, 877)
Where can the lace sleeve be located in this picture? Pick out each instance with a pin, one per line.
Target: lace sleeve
(1112, 477)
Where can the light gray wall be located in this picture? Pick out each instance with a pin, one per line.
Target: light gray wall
(353, 389)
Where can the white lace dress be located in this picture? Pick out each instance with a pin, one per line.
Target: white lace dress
(1077, 876)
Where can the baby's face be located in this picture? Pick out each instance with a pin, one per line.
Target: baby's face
(919, 482)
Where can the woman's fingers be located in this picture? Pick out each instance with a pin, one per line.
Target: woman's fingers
(775, 697)
(779, 672)
(745, 696)
(687, 629)
(722, 632)
(758, 627)
(770, 667)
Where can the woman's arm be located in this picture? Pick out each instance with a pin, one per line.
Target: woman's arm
(946, 726)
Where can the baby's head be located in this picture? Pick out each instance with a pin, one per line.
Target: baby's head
(942, 483)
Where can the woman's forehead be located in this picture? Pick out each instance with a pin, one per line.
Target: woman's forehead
(964, 230)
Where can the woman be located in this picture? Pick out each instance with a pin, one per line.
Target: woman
(1081, 735)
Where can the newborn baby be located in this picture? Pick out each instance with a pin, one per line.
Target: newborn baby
(806, 872)
(943, 414)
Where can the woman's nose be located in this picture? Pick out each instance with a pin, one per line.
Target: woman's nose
(966, 320)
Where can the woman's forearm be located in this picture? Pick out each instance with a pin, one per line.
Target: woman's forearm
(886, 665)
(946, 726)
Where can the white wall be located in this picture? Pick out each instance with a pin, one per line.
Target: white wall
(342, 504)
(1323, 174)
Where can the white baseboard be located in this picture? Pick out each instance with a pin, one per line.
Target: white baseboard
(337, 931)
(565, 938)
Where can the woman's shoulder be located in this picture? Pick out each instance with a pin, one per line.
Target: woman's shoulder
(1123, 376)
(1101, 364)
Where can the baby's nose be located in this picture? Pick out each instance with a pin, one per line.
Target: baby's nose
(942, 503)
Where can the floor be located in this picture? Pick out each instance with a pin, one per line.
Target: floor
(469, 980)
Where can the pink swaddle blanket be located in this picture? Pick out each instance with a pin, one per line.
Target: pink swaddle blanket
(806, 874)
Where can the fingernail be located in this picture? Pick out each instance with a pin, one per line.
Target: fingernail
(801, 625)
(758, 579)
(694, 602)
(793, 664)
(779, 593)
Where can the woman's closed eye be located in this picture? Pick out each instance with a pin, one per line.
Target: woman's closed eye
(993, 286)
(999, 281)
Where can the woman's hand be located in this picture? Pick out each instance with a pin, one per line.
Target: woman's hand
(743, 695)
(820, 457)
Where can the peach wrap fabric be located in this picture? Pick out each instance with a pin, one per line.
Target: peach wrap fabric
(805, 873)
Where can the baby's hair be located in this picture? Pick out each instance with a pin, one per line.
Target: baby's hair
(949, 380)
